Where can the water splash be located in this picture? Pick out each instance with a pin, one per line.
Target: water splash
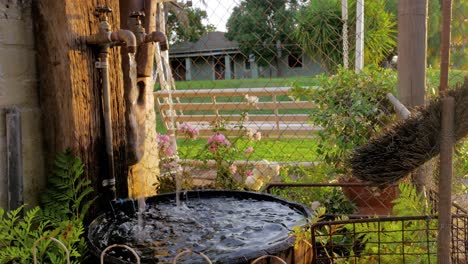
(219, 227)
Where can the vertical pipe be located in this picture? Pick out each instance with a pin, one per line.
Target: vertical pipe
(14, 160)
(445, 181)
(344, 18)
(445, 49)
(103, 65)
(359, 35)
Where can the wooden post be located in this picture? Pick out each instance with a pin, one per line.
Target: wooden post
(445, 49)
(447, 140)
(14, 158)
(412, 45)
(444, 237)
(70, 88)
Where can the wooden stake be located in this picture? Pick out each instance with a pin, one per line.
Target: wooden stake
(14, 158)
(445, 49)
(445, 181)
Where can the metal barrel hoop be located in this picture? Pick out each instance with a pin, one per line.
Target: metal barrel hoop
(191, 252)
(67, 252)
(269, 256)
(121, 246)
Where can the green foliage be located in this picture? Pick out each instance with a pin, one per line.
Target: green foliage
(411, 241)
(350, 108)
(186, 25)
(329, 197)
(61, 218)
(67, 190)
(319, 32)
(460, 165)
(259, 25)
(17, 237)
(459, 38)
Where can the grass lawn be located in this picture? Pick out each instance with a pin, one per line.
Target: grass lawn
(269, 149)
(246, 83)
(455, 76)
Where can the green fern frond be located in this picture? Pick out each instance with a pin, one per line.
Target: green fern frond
(67, 188)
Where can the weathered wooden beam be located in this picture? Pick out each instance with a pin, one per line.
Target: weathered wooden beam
(70, 85)
(14, 158)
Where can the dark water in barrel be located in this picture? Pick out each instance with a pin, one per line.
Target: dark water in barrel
(221, 227)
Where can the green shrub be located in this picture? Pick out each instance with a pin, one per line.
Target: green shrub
(350, 107)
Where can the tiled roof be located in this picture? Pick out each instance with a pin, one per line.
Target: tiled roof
(213, 41)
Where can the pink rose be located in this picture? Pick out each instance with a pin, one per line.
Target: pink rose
(233, 169)
(219, 138)
(248, 173)
(188, 130)
(169, 151)
(258, 136)
(249, 150)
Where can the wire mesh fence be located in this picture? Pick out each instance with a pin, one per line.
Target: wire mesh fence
(268, 91)
(410, 239)
(276, 68)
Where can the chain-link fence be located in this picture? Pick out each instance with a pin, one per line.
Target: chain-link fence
(272, 84)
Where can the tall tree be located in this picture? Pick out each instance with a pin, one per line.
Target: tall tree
(185, 23)
(319, 31)
(262, 28)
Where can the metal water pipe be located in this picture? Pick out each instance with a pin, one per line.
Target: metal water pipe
(106, 39)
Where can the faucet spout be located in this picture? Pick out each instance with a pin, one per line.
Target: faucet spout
(157, 36)
(104, 37)
(127, 37)
(141, 35)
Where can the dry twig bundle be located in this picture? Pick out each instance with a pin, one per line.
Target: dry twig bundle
(409, 143)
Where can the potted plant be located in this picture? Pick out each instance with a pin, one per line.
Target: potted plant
(369, 200)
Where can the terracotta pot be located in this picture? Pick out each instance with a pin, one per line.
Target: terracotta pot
(370, 200)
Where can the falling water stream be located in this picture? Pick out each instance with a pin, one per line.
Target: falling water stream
(141, 181)
(165, 79)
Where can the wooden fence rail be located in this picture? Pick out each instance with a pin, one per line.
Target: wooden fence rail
(270, 111)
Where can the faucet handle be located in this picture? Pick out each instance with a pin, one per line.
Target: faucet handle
(102, 11)
(137, 15)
